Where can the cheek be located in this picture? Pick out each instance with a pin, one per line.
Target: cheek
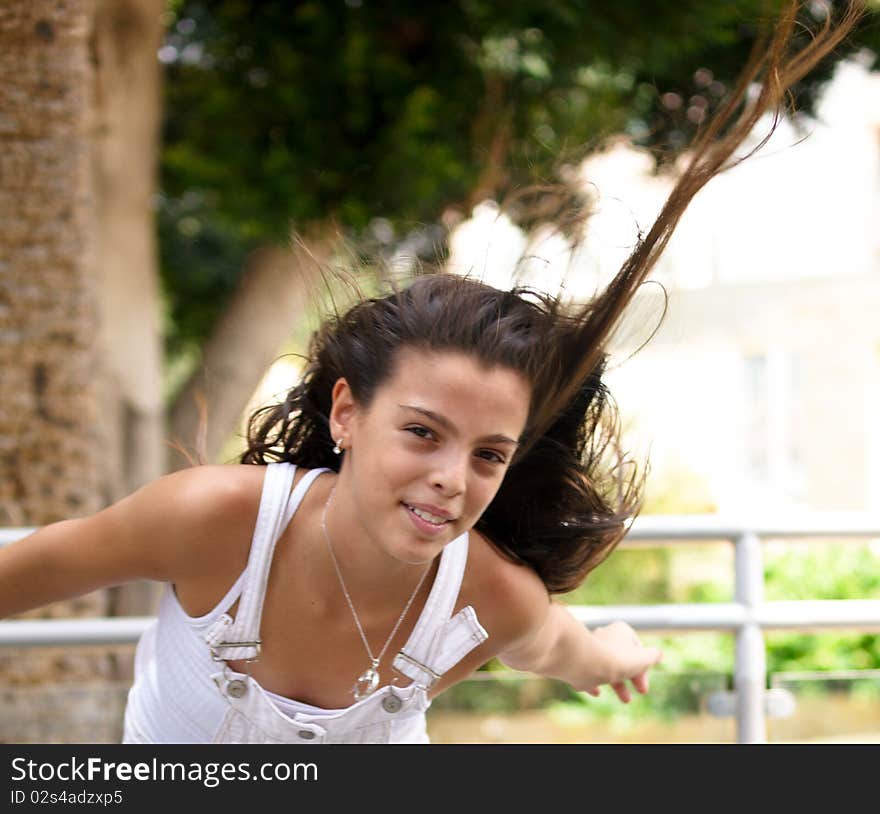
(480, 496)
(384, 470)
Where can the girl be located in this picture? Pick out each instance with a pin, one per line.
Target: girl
(447, 463)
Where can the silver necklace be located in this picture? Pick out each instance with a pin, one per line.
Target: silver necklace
(368, 681)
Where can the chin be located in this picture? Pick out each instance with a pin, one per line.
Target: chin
(420, 552)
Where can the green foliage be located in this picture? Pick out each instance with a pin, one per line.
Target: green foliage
(295, 112)
(201, 258)
(826, 570)
(630, 576)
(795, 652)
(280, 114)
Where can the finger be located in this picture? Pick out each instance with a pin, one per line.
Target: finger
(640, 682)
(594, 691)
(622, 691)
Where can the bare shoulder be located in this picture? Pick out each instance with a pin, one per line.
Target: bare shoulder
(188, 519)
(216, 509)
(510, 599)
(213, 492)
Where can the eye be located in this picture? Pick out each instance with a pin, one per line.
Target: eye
(420, 432)
(495, 457)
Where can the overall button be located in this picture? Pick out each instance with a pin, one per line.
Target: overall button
(306, 734)
(236, 688)
(391, 703)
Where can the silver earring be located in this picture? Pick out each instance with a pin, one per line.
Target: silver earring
(338, 448)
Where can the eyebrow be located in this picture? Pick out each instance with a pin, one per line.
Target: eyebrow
(447, 424)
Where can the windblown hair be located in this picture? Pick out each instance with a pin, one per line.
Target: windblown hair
(569, 493)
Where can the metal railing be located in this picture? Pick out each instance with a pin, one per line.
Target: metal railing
(747, 617)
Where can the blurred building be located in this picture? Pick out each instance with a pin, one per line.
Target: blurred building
(769, 392)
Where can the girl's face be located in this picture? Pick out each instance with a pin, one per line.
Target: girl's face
(424, 461)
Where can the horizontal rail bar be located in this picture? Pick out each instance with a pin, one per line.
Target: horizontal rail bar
(860, 614)
(826, 675)
(727, 616)
(80, 631)
(806, 614)
(689, 527)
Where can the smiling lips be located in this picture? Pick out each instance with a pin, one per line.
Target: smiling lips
(426, 521)
(430, 513)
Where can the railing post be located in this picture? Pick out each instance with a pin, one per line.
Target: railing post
(751, 656)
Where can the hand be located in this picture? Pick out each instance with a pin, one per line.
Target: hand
(628, 658)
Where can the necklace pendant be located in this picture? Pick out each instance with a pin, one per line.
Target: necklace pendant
(366, 683)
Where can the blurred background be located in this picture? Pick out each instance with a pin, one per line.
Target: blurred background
(174, 175)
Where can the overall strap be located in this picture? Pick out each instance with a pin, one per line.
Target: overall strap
(439, 640)
(239, 638)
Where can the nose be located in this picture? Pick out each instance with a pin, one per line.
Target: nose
(450, 474)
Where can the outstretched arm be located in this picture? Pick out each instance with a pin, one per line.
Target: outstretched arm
(561, 647)
(174, 528)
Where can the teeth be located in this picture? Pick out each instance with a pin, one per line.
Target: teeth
(429, 517)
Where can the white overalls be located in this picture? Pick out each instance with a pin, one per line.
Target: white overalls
(183, 693)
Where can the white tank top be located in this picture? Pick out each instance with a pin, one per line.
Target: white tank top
(182, 693)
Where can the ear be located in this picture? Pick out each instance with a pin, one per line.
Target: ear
(343, 411)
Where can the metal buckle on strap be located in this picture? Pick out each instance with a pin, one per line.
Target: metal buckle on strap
(417, 664)
(226, 645)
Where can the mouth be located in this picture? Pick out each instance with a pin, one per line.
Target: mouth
(425, 521)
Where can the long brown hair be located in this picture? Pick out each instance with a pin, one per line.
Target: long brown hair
(565, 501)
